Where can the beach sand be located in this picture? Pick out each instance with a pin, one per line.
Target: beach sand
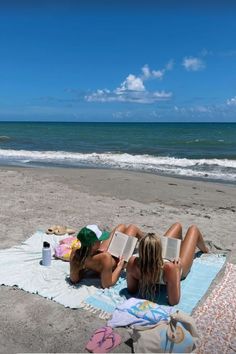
(36, 198)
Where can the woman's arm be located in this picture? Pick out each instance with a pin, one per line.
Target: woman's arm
(109, 277)
(74, 267)
(172, 276)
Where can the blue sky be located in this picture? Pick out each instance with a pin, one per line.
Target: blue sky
(118, 61)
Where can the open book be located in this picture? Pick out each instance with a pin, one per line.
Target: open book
(170, 247)
(122, 245)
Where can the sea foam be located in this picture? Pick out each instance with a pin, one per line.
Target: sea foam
(222, 169)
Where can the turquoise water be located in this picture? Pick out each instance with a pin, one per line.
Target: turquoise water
(198, 150)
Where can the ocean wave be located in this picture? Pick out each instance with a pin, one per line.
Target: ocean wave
(4, 138)
(224, 169)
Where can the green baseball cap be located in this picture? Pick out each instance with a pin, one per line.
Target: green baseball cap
(90, 234)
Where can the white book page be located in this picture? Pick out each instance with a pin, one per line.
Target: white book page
(117, 244)
(129, 247)
(171, 248)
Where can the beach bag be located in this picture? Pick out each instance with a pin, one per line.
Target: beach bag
(64, 248)
(178, 335)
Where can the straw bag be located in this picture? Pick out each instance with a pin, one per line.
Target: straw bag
(179, 335)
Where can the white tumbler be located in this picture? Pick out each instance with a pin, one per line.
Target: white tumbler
(46, 254)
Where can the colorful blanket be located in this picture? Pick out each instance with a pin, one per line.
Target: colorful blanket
(138, 312)
(216, 319)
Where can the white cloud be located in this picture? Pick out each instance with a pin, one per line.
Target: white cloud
(231, 101)
(132, 89)
(193, 64)
(131, 83)
(194, 109)
(128, 96)
(146, 72)
(158, 74)
(98, 96)
(162, 95)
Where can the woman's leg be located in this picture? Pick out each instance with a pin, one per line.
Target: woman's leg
(105, 244)
(120, 227)
(133, 230)
(175, 231)
(192, 240)
(130, 230)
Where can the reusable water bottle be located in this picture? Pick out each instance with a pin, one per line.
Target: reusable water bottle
(46, 254)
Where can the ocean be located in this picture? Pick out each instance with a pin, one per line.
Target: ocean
(191, 150)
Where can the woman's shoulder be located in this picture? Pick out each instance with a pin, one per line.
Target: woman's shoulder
(98, 261)
(134, 261)
(102, 257)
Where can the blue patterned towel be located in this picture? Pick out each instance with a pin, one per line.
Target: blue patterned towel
(203, 272)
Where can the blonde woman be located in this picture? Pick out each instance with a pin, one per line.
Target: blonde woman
(145, 272)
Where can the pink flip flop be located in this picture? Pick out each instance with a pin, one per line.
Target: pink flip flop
(98, 337)
(109, 343)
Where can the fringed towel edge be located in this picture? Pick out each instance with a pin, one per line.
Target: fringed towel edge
(101, 313)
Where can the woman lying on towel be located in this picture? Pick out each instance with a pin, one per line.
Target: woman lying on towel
(92, 254)
(146, 272)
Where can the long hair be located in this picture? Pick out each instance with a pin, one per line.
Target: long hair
(150, 264)
(81, 254)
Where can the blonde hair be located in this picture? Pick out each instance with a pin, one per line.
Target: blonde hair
(150, 264)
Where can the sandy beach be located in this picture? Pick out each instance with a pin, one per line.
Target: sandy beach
(36, 198)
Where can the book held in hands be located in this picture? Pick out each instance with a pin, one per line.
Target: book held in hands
(170, 248)
(122, 245)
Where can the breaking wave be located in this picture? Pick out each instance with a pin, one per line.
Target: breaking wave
(217, 169)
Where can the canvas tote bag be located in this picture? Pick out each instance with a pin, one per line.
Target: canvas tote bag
(179, 335)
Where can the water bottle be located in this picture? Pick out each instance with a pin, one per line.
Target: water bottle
(46, 254)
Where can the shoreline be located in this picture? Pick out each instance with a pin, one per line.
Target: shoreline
(181, 177)
(109, 173)
(118, 171)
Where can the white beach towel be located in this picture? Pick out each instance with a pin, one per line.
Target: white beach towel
(20, 266)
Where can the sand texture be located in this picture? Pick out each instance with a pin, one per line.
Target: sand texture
(33, 199)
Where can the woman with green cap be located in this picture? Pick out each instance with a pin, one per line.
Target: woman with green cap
(92, 254)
